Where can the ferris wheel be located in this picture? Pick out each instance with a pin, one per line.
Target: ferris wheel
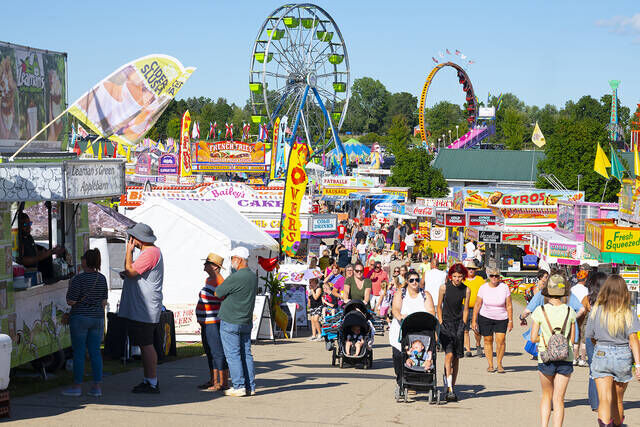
(300, 74)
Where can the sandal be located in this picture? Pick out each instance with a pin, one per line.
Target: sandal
(491, 370)
(501, 371)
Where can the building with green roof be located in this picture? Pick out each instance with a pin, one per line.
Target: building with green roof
(488, 167)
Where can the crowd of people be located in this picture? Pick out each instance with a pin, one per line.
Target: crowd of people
(584, 320)
(590, 310)
(224, 312)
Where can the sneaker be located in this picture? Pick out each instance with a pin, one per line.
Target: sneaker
(72, 392)
(575, 362)
(145, 387)
(95, 392)
(236, 392)
(583, 363)
(468, 354)
(451, 397)
(479, 352)
(251, 392)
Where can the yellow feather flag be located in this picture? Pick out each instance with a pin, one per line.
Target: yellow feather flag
(129, 154)
(121, 151)
(537, 137)
(89, 149)
(602, 162)
(636, 166)
(100, 151)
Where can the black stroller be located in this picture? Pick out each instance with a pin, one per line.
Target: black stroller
(355, 314)
(419, 326)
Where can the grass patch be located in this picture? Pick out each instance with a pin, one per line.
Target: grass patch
(27, 381)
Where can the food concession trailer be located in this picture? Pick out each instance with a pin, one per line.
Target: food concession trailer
(31, 306)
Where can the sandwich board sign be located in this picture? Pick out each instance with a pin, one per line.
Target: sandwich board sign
(262, 327)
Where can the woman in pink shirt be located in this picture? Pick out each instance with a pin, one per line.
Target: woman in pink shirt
(493, 315)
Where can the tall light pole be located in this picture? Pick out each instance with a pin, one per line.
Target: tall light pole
(449, 136)
(457, 131)
(444, 140)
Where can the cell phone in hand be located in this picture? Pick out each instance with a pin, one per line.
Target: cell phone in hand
(122, 275)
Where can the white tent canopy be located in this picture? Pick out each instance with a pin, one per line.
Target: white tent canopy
(187, 230)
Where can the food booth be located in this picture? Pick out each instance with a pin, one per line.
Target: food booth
(32, 302)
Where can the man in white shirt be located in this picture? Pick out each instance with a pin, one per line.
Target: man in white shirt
(432, 280)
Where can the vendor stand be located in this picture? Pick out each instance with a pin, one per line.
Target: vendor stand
(31, 308)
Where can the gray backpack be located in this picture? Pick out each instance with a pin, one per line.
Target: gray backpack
(558, 346)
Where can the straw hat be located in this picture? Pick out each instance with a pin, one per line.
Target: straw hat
(556, 288)
(214, 259)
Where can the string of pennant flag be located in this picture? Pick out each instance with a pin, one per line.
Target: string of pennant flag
(456, 52)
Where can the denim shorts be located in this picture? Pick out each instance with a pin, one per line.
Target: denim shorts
(561, 367)
(612, 361)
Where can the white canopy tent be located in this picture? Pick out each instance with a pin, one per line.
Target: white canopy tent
(187, 230)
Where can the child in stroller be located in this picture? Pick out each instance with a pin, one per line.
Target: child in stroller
(356, 323)
(418, 357)
(417, 337)
(354, 342)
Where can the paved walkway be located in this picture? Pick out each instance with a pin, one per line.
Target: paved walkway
(298, 386)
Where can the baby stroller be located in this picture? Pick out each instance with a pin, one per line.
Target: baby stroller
(353, 316)
(329, 331)
(379, 323)
(419, 326)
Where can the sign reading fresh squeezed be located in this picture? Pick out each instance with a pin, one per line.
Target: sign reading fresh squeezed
(621, 240)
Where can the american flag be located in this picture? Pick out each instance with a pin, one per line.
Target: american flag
(457, 52)
(448, 52)
(228, 131)
(262, 135)
(435, 60)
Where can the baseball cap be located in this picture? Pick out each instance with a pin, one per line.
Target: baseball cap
(240, 252)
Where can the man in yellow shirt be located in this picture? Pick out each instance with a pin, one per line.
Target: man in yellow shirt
(473, 282)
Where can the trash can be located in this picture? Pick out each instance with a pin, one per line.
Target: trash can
(5, 360)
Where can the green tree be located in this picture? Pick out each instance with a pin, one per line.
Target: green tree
(402, 103)
(367, 107)
(570, 151)
(412, 167)
(442, 118)
(173, 128)
(512, 128)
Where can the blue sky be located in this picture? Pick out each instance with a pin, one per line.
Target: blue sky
(542, 51)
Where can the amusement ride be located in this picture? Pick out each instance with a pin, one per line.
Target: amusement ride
(476, 131)
(300, 80)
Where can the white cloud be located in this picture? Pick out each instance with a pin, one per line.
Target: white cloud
(624, 25)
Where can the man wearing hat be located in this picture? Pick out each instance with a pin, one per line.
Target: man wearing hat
(207, 311)
(141, 300)
(236, 317)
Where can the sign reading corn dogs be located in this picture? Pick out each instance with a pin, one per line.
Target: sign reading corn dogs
(130, 100)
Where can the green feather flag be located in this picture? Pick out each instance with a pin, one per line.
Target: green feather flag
(617, 170)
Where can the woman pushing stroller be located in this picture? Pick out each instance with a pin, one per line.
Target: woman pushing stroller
(410, 300)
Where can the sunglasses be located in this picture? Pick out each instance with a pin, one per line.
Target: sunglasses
(26, 224)
(494, 275)
(413, 280)
(358, 271)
